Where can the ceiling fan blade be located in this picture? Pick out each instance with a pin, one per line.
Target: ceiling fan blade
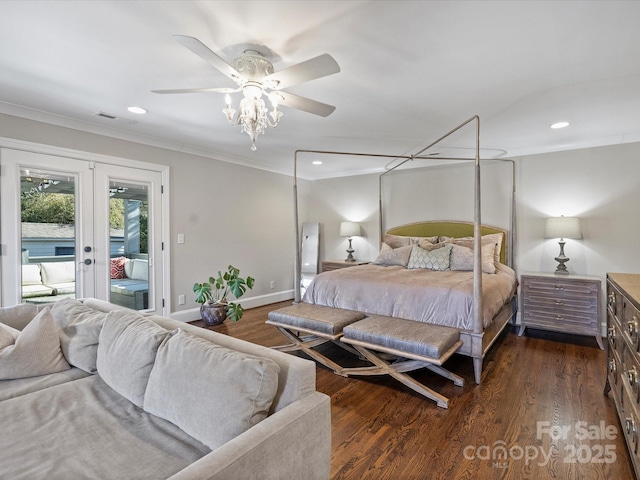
(204, 52)
(303, 103)
(317, 67)
(198, 90)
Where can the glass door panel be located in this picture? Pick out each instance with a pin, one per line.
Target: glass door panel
(129, 244)
(48, 235)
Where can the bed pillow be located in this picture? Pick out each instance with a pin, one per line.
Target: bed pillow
(397, 241)
(493, 238)
(462, 258)
(437, 259)
(126, 353)
(79, 332)
(211, 392)
(393, 256)
(33, 352)
(429, 245)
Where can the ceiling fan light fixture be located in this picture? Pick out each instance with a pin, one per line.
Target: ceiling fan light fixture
(253, 116)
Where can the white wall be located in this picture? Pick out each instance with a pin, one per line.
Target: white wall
(229, 214)
(599, 185)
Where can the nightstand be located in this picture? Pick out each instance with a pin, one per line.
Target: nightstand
(336, 264)
(567, 304)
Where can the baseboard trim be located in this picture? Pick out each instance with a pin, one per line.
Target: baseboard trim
(250, 302)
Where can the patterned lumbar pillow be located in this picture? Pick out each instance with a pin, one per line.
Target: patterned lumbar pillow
(437, 259)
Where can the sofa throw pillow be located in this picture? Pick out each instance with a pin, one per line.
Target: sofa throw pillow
(211, 392)
(33, 352)
(79, 332)
(18, 316)
(393, 256)
(126, 352)
(462, 258)
(437, 259)
(117, 268)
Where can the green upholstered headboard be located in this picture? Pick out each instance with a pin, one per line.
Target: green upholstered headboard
(450, 229)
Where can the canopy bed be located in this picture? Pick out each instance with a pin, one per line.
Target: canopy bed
(478, 300)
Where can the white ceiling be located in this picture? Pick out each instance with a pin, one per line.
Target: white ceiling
(410, 71)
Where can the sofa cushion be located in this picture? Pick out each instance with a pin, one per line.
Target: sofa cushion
(31, 275)
(211, 392)
(126, 353)
(79, 332)
(31, 291)
(136, 269)
(34, 351)
(58, 272)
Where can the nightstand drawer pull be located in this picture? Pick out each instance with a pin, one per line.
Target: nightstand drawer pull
(612, 366)
(558, 302)
(559, 317)
(632, 376)
(558, 287)
(632, 328)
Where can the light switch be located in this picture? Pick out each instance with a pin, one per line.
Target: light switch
(181, 238)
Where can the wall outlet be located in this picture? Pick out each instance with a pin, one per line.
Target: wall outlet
(272, 284)
(181, 300)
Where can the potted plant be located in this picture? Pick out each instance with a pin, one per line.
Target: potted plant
(212, 295)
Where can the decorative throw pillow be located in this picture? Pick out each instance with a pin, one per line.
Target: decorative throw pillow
(393, 256)
(437, 259)
(211, 392)
(33, 352)
(462, 258)
(117, 268)
(126, 352)
(79, 332)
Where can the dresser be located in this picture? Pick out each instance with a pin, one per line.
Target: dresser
(623, 356)
(336, 264)
(561, 303)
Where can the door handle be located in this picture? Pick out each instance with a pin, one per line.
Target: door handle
(87, 261)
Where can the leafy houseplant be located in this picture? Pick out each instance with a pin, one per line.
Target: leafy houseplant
(213, 296)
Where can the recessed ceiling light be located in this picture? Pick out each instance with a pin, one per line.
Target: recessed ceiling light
(559, 125)
(317, 162)
(138, 110)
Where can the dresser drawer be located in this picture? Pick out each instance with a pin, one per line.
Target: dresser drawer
(631, 323)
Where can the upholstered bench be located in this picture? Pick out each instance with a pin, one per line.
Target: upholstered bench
(321, 324)
(412, 344)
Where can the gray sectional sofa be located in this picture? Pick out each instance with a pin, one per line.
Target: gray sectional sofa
(89, 389)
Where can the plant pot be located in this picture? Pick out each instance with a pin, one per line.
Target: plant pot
(213, 314)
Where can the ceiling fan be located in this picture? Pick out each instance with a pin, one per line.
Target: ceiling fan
(254, 75)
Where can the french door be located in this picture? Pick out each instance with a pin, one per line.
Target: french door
(77, 228)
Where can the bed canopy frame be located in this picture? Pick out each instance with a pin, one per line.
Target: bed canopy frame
(420, 155)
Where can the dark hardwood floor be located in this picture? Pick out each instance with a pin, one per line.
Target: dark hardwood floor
(538, 414)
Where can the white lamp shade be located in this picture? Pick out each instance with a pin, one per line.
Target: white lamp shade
(349, 229)
(562, 227)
